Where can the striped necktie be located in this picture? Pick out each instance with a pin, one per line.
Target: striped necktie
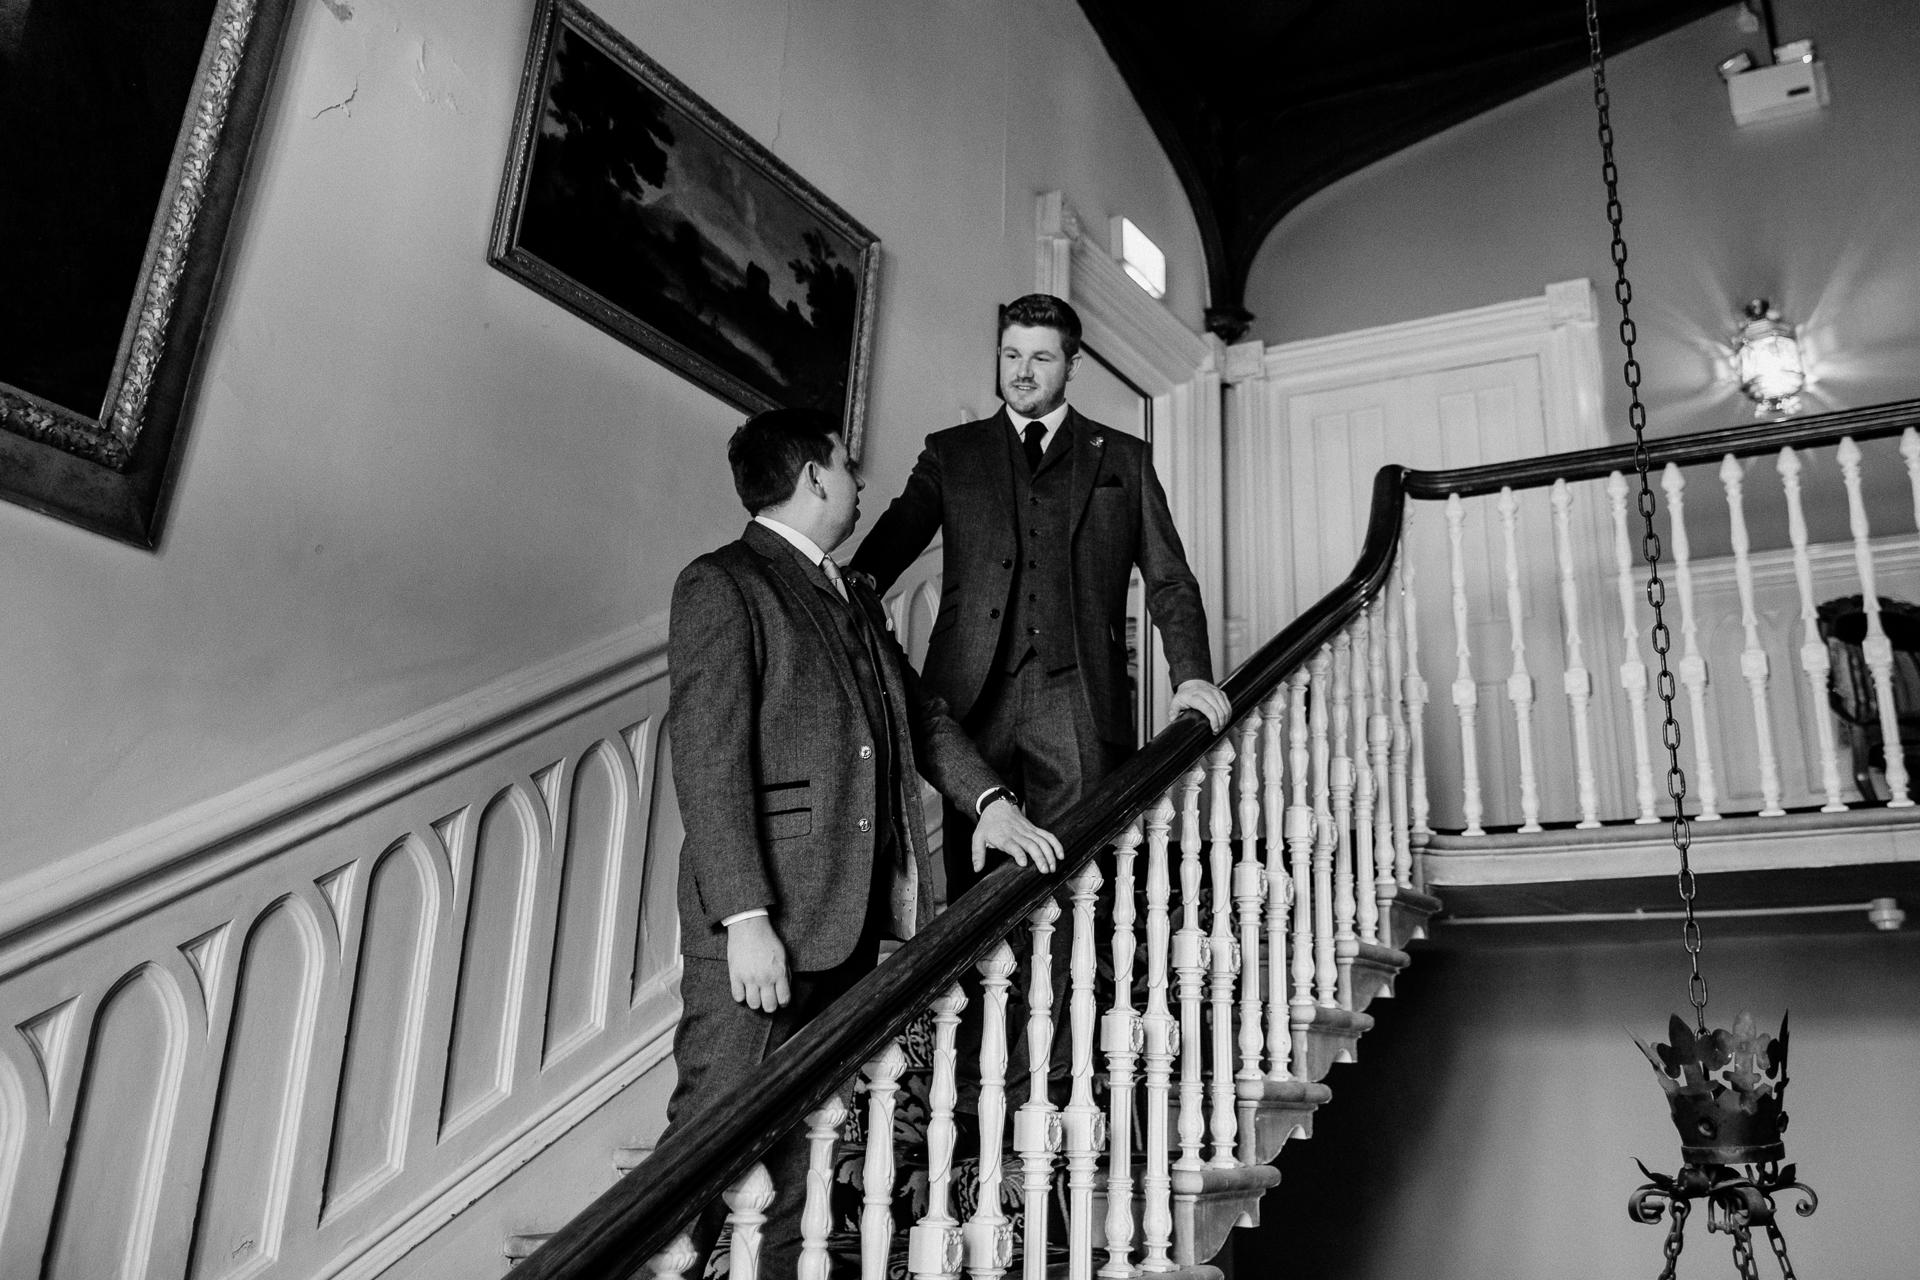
(832, 570)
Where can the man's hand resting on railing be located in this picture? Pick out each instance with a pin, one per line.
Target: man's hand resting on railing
(1198, 695)
(757, 964)
(1002, 826)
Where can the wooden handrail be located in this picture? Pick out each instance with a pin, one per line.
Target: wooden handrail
(1706, 446)
(631, 1222)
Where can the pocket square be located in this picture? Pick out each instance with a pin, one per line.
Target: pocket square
(1111, 482)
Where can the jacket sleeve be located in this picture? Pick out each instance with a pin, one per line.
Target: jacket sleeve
(906, 527)
(1173, 594)
(710, 712)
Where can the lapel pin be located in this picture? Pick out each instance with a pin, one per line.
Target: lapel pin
(1098, 441)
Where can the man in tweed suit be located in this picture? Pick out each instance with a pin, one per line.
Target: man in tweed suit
(797, 730)
(1045, 513)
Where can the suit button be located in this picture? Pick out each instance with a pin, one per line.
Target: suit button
(1007, 563)
(1033, 564)
(863, 824)
(866, 753)
(993, 613)
(1034, 501)
(1033, 631)
(1033, 597)
(1034, 532)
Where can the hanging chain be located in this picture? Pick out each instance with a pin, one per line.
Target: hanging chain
(1650, 540)
(1676, 1238)
(1779, 1243)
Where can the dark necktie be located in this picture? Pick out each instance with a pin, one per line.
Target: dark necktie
(1032, 439)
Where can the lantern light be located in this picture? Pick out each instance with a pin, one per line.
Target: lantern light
(1768, 361)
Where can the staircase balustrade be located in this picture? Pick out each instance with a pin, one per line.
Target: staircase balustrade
(1279, 907)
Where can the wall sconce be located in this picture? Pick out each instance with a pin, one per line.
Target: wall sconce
(1767, 360)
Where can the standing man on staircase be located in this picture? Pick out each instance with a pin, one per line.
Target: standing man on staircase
(797, 729)
(1045, 513)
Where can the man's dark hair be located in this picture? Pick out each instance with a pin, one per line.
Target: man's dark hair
(1044, 311)
(770, 450)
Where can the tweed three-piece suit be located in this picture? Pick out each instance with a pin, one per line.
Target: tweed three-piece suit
(797, 729)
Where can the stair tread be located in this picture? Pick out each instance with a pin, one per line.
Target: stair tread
(1387, 957)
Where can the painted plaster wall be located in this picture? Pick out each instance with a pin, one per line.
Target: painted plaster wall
(408, 475)
(1821, 213)
(1489, 1130)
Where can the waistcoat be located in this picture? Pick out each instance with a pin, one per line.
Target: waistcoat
(1040, 619)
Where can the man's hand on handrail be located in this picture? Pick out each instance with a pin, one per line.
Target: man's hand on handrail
(1198, 695)
(1002, 826)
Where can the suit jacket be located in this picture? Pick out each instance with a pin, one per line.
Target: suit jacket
(779, 784)
(964, 483)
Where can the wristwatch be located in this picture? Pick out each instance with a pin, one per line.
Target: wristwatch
(996, 793)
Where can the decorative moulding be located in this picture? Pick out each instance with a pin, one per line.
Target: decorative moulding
(1494, 332)
(76, 898)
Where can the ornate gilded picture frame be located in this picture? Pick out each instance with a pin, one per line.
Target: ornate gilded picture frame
(124, 133)
(634, 204)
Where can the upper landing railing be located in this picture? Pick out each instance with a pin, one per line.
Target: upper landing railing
(1289, 874)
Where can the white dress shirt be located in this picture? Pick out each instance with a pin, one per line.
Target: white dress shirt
(1048, 426)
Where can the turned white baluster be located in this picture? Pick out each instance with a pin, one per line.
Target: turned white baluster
(1814, 660)
(747, 1202)
(1083, 1124)
(1340, 799)
(1633, 672)
(674, 1261)
(1399, 794)
(987, 1240)
(1279, 883)
(1753, 658)
(1162, 1043)
(1575, 680)
(1302, 835)
(933, 1246)
(1366, 908)
(1693, 667)
(1122, 1037)
(1877, 649)
(1190, 962)
(1249, 891)
(1379, 750)
(816, 1218)
(1519, 680)
(1466, 695)
(1325, 839)
(876, 1204)
(1036, 1126)
(1910, 450)
(1221, 962)
(1413, 688)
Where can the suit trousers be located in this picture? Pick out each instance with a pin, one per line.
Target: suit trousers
(718, 1047)
(1034, 728)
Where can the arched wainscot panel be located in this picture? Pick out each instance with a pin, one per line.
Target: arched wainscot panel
(383, 1030)
(594, 849)
(116, 1158)
(656, 948)
(493, 960)
(13, 1139)
(257, 1114)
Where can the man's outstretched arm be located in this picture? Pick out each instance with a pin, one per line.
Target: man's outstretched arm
(906, 527)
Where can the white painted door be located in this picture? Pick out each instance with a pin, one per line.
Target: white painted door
(1494, 411)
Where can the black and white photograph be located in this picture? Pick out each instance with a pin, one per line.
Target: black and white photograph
(919, 639)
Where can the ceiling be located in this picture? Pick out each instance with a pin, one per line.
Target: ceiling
(1261, 103)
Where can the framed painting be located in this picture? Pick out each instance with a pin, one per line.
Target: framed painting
(631, 202)
(124, 133)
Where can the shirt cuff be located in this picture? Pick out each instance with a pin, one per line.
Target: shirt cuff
(738, 916)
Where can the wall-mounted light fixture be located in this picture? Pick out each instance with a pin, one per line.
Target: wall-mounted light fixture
(1767, 360)
(1140, 256)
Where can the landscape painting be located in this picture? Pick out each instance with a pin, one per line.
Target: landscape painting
(631, 202)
